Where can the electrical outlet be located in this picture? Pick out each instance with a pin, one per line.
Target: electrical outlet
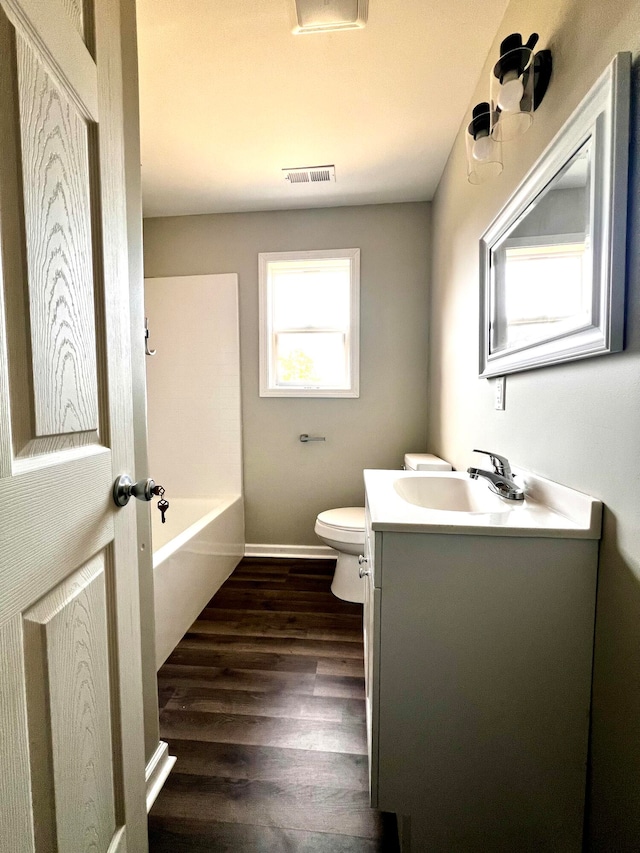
(500, 383)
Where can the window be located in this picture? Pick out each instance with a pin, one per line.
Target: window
(309, 323)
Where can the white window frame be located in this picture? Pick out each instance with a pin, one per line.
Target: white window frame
(268, 388)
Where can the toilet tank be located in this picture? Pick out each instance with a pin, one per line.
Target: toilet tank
(425, 462)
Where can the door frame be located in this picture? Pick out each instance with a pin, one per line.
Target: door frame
(157, 759)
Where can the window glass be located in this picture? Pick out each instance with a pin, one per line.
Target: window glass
(310, 297)
(309, 323)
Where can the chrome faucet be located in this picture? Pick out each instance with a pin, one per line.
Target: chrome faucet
(500, 479)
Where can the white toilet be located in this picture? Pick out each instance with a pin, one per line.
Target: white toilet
(343, 530)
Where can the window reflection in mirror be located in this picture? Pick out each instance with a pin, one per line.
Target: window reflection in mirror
(542, 268)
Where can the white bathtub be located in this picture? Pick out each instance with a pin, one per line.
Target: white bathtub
(193, 554)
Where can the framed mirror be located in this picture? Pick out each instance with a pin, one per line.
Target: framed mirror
(552, 264)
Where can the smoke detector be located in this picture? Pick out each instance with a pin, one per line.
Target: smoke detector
(310, 174)
(321, 16)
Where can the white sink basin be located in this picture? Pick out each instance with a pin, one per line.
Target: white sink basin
(451, 502)
(450, 494)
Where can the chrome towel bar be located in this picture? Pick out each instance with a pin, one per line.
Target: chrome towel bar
(306, 437)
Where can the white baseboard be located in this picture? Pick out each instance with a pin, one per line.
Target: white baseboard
(295, 552)
(157, 770)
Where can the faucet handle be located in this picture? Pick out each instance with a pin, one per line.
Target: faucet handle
(500, 463)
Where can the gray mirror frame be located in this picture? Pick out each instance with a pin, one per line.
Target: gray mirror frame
(604, 116)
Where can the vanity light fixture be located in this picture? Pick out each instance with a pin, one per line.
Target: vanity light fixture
(519, 81)
(484, 151)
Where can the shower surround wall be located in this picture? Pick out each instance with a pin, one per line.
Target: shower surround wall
(193, 385)
(576, 423)
(195, 444)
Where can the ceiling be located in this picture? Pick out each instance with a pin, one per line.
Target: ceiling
(229, 97)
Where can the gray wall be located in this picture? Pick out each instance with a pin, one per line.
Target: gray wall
(287, 483)
(579, 423)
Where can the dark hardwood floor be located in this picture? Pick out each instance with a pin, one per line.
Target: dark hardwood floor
(262, 702)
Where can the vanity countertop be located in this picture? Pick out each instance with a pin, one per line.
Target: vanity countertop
(549, 509)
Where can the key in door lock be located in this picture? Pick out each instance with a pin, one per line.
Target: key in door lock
(163, 504)
(144, 490)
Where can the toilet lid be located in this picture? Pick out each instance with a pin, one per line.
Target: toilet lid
(345, 518)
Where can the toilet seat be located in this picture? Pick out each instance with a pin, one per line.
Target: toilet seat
(345, 518)
(345, 524)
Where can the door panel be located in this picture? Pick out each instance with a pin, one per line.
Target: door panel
(55, 168)
(70, 680)
(65, 643)
(46, 260)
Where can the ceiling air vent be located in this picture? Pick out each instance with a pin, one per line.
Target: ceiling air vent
(321, 16)
(310, 175)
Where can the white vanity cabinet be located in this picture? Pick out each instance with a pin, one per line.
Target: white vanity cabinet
(478, 654)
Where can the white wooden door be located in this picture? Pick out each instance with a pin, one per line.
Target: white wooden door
(71, 738)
